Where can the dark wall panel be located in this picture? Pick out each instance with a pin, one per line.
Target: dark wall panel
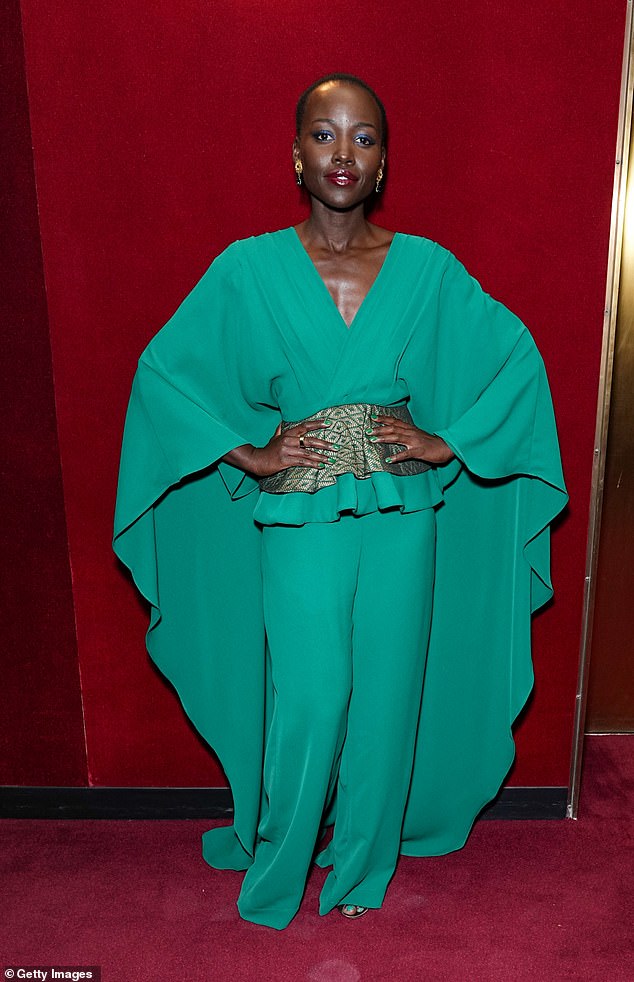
(41, 725)
(163, 131)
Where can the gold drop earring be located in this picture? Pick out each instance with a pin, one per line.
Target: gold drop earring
(379, 178)
(298, 170)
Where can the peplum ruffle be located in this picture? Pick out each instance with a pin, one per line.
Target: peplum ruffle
(380, 491)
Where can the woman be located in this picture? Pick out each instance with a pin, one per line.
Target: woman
(353, 639)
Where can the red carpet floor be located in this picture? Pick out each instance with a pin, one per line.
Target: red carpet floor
(522, 901)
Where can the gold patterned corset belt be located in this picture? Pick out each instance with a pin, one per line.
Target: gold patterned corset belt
(358, 454)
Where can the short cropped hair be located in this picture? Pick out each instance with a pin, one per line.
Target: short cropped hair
(350, 80)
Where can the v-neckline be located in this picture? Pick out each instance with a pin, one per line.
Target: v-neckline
(321, 282)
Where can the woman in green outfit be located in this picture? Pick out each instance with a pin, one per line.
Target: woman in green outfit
(338, 472)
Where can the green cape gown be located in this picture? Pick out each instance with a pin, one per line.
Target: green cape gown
(259, 339)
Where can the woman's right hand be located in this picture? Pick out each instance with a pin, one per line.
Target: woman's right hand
(283, 449)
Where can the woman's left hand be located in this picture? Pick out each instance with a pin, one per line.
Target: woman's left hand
(419, 445)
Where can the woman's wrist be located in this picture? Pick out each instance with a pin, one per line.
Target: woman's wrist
(450, 453)
(441, 451)
(245, 457)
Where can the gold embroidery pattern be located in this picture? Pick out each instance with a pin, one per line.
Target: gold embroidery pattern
(358, 455)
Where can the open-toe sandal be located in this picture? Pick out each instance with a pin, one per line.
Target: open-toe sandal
(352, 910)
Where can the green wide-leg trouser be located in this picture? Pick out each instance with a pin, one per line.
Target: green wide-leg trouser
(347, 608)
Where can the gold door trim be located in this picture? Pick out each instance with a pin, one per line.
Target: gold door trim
(623, 139)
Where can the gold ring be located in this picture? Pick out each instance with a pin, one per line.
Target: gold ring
(301, 441)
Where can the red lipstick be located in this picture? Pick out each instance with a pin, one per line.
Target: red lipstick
(342, 178)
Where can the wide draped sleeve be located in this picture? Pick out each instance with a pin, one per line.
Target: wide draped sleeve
(183, 525)
(490, 401)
